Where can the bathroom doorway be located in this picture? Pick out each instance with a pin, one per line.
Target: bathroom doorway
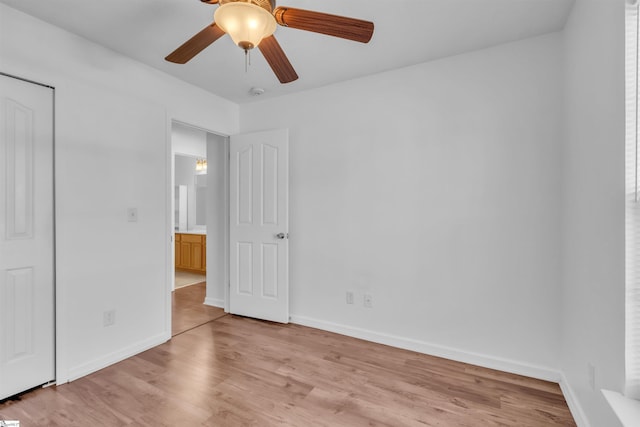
(190, 225)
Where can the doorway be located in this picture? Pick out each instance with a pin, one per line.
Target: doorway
(199, 212)
(252, 279)
(190, 203)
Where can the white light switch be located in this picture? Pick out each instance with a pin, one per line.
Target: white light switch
(132, 214)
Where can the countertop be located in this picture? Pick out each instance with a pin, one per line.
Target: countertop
(193, 231)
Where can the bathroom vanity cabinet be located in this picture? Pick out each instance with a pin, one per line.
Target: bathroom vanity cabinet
(191, 252)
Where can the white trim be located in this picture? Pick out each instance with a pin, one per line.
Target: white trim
(214, 302)
(627, 409)
(168, 218)
(116, 356)
(573, 403)
(486, 361)
(227, 222)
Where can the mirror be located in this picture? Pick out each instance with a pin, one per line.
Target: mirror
(190, 194)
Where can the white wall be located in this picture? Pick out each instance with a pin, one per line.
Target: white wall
(593, 205)
(112, 152)
(217, 219)
(188, 140)
(435, 189)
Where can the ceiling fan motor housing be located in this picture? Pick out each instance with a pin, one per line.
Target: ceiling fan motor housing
(267, 5)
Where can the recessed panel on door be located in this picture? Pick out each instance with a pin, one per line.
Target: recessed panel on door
(245, 186)
(245, 268)
(269, 184)
(18, 312)
(269, 276)
(19, 169)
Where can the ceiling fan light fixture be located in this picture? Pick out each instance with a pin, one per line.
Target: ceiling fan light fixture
(246, 23)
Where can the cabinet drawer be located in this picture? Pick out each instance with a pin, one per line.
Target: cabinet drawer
(191, 238)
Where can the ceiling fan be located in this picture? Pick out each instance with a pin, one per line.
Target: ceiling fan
(251, 23)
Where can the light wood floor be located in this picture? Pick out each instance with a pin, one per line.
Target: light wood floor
(188, 309)
(236, 371)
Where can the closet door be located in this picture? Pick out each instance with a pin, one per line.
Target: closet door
(26, 236)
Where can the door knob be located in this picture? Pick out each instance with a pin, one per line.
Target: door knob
(282, 235)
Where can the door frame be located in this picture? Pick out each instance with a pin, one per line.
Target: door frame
(170, 249)
(57, 297)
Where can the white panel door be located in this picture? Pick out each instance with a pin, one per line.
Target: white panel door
(259, 224)
(26, 236)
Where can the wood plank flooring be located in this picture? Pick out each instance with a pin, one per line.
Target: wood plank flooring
(236, 371)
(188, 309)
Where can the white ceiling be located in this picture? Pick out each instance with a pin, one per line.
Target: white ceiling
(406, 32)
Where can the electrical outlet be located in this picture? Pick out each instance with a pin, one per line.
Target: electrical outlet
(109, 317)
(368, 300)
(591, 376)
(349, 297)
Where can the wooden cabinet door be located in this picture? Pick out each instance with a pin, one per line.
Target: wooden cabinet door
(196, 256)
(185, 254)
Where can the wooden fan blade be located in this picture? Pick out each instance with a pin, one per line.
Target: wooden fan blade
(277, 60)
(323, 23)
(195, 44)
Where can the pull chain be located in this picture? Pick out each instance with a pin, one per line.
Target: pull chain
(247, 60)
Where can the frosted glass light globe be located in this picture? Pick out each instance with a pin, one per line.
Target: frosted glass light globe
(246, 23)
